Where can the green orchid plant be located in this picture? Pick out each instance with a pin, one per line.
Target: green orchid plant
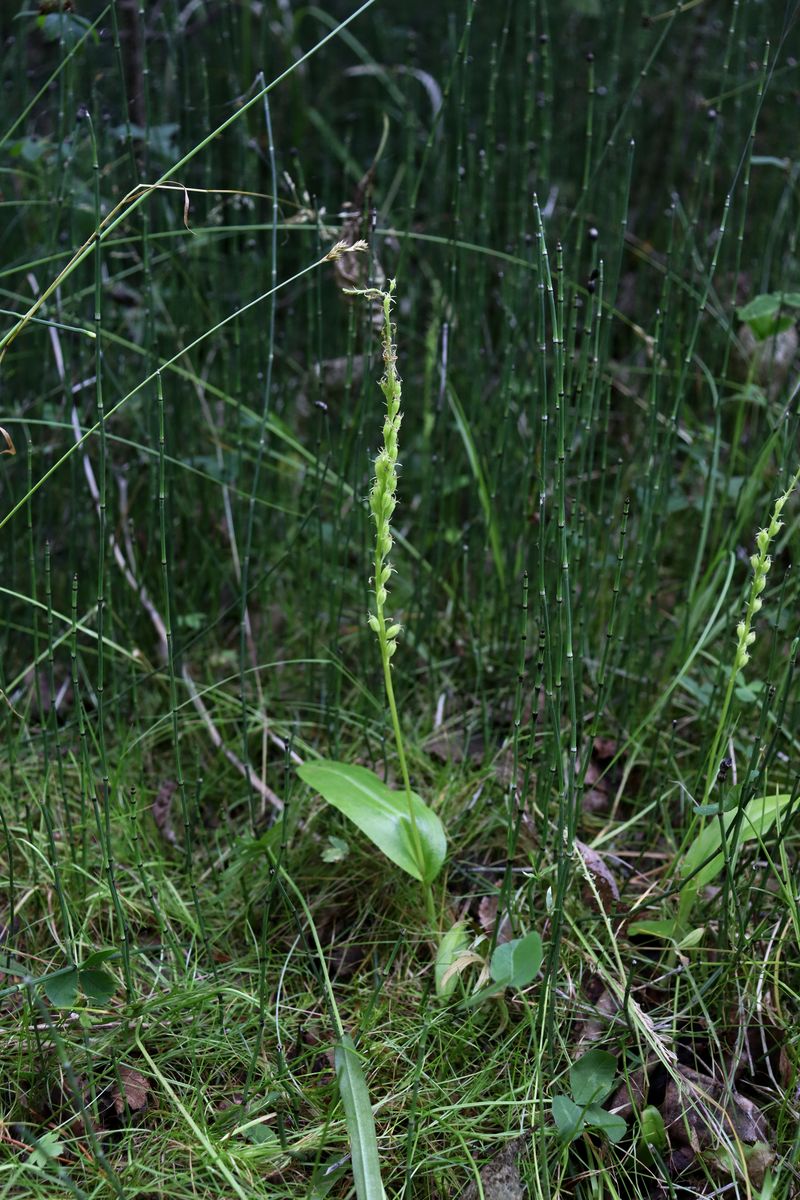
(399, 823)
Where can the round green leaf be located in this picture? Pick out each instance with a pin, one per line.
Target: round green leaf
(653, 1132)
(568, 1118)
(592, 1077)
(98, 986)
(516, 963)
(613, 1127)
(62, 989)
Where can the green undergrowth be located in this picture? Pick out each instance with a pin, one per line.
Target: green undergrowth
(590, 214)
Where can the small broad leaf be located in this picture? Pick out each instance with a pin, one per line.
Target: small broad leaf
(568, 1117)
(658, 929)
(453, 944)
(359, 1120)
(45, 1149)
(652, 1131)
(516, 963)
(693, 938)
(62, 989)
(336, 850)
(97, 958)
(758, 818)
(65, 26)
(98, 986)
(261, 1135)
(382, 814)
(765, 327)
(766, 315)
(613, 1127)
(592, 1077)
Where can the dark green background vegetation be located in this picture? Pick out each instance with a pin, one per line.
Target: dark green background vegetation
(661, 145)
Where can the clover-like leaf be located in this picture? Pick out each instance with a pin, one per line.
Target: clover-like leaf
(568, 1118)
(62, 989)
(516, 963)
(613, 1126)
(592, 1077)
(98, 986)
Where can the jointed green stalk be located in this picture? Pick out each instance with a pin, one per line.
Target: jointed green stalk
(382, 503)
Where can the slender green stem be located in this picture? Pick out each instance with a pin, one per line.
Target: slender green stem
(401, 754)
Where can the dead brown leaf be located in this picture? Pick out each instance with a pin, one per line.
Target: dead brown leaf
(487, 919)
(696, 1108)
(605, 748)
(131, 1091)
(603, 880)
(500, 1178)
(759, 1158)
(631, 1094)
(449, 745)
(597, 1026)
(162, 812)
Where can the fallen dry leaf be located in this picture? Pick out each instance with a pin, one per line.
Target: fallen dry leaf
(605, 748)
(604, 881)
(162, 812)
(630, 1095)
(696, 1106)
(500, 1178)
(131, 1091)
(487, 919)
(597, 1026)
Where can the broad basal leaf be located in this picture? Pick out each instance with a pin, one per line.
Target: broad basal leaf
(766, 314)
(758, 818)
(97, 985)
(382, 814)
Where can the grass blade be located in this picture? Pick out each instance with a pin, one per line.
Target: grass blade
(360, 1122)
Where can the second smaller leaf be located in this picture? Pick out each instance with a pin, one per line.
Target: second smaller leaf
(516, 963)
